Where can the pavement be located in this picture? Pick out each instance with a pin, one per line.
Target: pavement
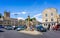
(16, 34)
(31, 32)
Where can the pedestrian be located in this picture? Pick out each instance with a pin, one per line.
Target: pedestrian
(49, 27)
(13, 27)
(53, 27)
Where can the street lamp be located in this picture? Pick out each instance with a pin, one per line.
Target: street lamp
(16, 17)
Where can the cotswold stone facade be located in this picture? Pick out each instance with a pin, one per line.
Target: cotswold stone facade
(58, 19)
(6, 20)
(49, 17)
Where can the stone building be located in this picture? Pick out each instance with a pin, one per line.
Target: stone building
(6, 14)
(6, 20)
(49, 17)
(14, 21)
(1, 19)
(58, 19)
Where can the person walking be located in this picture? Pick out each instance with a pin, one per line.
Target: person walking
(49, 27)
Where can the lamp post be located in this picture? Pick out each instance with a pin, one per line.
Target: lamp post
(16, 17)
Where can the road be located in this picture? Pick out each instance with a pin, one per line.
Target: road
(15, 34)
(51, 34)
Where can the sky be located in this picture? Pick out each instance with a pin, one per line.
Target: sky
(23, 8)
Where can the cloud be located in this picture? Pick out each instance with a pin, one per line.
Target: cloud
(20, 18)
(17, 13)
(38, 17)
(23, 12)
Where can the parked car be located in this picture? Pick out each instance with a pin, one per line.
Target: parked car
(18, 28)
(9, 27)
(41, 28)
(1, 31)
(56, 27)
(1, 26)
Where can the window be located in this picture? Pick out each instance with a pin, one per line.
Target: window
(51, 14)
(51, 19)
(46, 15)
(8, 22)
(4, 22)
(46, 20)
(46, 24)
